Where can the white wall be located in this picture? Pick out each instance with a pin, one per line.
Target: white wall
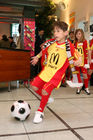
(83, 10)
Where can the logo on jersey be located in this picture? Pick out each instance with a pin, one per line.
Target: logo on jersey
(53, 61)
(54, 58)
(80, 50)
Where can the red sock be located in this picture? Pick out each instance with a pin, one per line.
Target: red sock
(86, 83)
(43, 103)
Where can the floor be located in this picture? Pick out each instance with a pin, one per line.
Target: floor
(69, 117)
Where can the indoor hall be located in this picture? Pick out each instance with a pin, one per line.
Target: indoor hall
(70, 116)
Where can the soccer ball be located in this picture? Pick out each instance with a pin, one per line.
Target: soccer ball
(20, 110)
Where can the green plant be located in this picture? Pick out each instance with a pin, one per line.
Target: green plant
(45, 17)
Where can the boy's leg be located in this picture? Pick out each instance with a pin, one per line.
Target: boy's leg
(37, 85)
(46, 91)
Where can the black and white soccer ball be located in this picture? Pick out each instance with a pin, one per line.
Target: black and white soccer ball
(20, 110)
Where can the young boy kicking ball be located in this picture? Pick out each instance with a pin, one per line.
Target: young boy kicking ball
(58, 55)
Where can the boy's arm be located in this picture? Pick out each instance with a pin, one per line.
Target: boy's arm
(35, 59)
(44, 47)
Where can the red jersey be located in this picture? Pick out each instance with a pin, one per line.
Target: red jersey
(57, 62)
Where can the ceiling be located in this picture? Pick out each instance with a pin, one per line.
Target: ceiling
(11, 10)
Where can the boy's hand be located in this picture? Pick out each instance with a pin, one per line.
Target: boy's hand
(34, 60)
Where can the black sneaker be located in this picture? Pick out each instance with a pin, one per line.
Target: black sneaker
(78, 91)
(87, 91)
(83, 87)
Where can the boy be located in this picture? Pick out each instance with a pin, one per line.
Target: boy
(71, 37)
(53, 72)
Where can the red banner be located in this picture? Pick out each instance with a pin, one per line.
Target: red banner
(29, 35)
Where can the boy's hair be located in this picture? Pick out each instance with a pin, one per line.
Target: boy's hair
(82, 37)
(40, 29)
(71, 32)
(62, 25)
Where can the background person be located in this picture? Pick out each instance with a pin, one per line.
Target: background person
(4, 42)
(81, 45)
(90, 70)
(12, 43)
(71, 37)
(39, 39)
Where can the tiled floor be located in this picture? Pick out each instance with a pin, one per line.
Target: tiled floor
(69, 117)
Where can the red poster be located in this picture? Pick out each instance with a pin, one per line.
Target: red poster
(29, 35)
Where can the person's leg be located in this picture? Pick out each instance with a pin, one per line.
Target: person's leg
(79, 79)
(68, 73)
(63, 82)
(37, 85)
(85, 78)
(90, 71)
(46, 91)
(78, 74)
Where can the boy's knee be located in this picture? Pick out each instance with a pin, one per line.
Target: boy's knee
(44, 92)
(34, 88)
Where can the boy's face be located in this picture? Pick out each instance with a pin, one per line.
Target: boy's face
(59, 34)
(71, 35)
